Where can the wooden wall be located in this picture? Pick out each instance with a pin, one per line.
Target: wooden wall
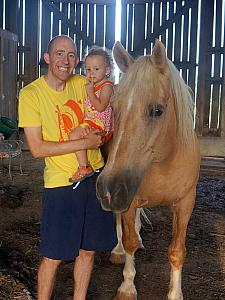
(8, 74)
(197, 51)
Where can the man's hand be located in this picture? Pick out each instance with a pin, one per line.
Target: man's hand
(79, 133)
(93, 139)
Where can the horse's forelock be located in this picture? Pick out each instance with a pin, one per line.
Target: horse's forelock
(140, 78)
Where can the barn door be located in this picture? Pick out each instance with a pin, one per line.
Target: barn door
(87, 22)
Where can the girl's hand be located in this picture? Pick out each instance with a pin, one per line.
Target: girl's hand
(90, 87)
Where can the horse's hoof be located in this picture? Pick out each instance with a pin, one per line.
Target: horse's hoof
(117, 258)
(123, 296)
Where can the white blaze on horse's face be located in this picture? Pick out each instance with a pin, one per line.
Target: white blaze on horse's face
(119, 138)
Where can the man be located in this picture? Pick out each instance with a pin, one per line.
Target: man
(73, 224)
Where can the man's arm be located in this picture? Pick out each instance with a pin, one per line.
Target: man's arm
(41, 148)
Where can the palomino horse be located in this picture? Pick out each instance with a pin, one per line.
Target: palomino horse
(154, 158)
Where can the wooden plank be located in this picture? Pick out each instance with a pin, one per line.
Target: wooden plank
(55, 25)
(20, 39)
(110, 23)
(215, 49)
(1, 71)
(1, 13)
(156, 24)
(129, 27)
(149, 27)
(45, 28)
(64, 28)
(217, 64)
(203, 94)
(74, 28)
(99, 25)
(222, 111)
(124, 19)
(177, 42)
(185, 36)
(11, 9)
(12, 79)
(139, 28)
(193, 43)
(84, 29)
(31, 39)
(9, 51)
(170, 31)
(169, 23)
(78, 26)
(164, 12)
(72, 18)
(91, 25)
(98, 2)
(208, 67)
(148, 1)
(6, 78)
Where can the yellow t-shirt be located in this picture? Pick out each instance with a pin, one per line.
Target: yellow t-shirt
(56, 113)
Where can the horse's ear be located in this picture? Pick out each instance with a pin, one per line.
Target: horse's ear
(122, 57)
(158, 57)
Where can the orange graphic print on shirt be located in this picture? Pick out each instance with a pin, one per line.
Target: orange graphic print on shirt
(66, 121)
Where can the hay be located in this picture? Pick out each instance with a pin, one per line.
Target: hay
(11, 289)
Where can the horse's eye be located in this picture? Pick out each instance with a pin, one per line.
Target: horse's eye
(155, 110)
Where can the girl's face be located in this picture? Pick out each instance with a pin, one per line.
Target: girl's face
(96, 69)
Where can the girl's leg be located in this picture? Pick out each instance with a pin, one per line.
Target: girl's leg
(82, 158)
(84, 170)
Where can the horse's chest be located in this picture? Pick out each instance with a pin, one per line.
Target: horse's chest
(159, 190)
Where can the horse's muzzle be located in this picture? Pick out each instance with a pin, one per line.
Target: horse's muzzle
(114, 193)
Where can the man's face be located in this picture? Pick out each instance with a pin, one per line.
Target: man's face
(61, 60)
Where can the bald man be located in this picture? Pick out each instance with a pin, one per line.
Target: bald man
(73, 225)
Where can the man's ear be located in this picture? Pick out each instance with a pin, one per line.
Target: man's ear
(77, 62)
(46, 58)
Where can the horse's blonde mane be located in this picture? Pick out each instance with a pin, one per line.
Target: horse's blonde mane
(182, 94)
(184, 105)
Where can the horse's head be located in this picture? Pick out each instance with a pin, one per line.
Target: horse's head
(145, 124)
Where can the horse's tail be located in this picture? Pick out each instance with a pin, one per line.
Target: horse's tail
(145, 214)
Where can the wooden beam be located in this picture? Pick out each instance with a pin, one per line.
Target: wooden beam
(147, 1)
(167, 24)
(11, 11)
(31, 38)
(203, 87)
(98, 2)
(73, 28)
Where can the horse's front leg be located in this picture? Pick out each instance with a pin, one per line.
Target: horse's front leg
(131, 242)
(177, 251)
(118, 253)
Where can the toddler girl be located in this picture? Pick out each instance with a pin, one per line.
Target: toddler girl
(98, 112)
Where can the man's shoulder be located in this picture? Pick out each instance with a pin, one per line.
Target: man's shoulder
(31, 87)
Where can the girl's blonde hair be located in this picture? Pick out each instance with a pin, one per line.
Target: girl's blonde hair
(105, 53)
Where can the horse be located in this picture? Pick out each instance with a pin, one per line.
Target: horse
(154, 158)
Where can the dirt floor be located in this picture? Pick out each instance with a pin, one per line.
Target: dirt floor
(204, 269)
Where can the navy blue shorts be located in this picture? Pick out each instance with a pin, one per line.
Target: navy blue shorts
(73, 219)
